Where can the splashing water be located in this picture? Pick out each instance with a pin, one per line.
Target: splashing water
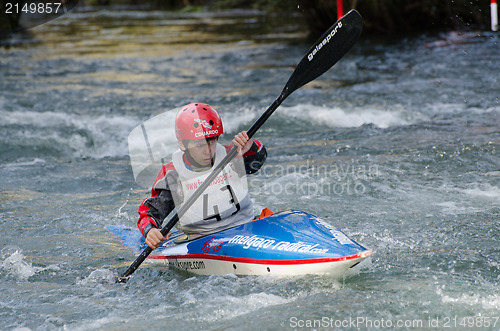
(99, 276)
(397, 146)
(13, 263)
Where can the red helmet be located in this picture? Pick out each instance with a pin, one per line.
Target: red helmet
(197, 121)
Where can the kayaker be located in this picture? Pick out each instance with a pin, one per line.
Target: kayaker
(225, 203)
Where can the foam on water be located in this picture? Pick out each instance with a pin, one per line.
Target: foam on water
(98, 323)
(20, 164)
(84, 135)
(13, 261)
(326, 116)
(490, 302)
(246, 117)
(468, 199)
(451, 208)
(484, 190)
(354, 116)
(99, 276)
(215, 311)
(73, 92)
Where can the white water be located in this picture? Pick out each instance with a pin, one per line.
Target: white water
(392, 146)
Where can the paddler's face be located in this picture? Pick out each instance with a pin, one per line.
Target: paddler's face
(201, 150)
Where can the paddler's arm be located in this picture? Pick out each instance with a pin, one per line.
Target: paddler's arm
(150, 229)
(253, 151)
(151, 210)
(154, 209)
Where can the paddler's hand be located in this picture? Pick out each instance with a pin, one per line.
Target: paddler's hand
(154, 238)
(243, 143)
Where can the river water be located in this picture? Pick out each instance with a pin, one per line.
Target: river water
(397, 145)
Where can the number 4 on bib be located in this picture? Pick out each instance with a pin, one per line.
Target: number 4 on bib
(232, 201)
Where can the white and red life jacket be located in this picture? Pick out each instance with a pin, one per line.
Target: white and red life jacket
(224, 203)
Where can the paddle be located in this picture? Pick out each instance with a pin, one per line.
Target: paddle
(329, 49)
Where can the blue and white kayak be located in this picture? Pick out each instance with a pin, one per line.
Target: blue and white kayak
(285, 243)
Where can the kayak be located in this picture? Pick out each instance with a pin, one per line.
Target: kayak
(286, 243)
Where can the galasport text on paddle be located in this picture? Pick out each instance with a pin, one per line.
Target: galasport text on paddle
(327, 51)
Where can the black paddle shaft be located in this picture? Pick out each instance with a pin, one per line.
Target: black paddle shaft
(327, 51)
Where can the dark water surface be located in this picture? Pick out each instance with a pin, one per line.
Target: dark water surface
(397, 145)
